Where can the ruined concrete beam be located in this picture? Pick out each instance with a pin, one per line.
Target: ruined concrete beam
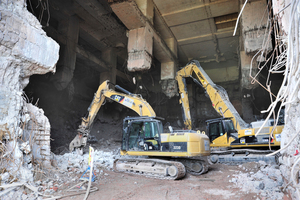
(102, 65)
(129, 13)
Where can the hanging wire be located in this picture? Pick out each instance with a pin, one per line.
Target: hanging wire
(42, 5)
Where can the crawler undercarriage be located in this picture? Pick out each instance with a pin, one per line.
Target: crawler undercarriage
(161, 168)
(240, 156)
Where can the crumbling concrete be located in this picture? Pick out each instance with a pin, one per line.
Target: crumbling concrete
(254, 27)
(289, 16)
(140, 47)
(265, 180)
(25, 50)
(37, 131)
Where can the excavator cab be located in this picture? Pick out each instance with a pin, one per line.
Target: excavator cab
(141, 134)
(221, 128)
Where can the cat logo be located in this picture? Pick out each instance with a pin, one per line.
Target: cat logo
(117, 98)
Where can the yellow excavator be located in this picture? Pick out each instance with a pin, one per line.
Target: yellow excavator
(172, 154)
(232, 139)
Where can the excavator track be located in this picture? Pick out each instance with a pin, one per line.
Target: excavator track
(154, 168)
(195, 167)
(240, 156)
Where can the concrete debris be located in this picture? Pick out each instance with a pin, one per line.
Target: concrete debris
(54, 182)
(266, 180)
(25, 147)
(25, 50)
(75, 163)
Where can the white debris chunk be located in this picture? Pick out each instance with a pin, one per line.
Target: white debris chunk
(25, 147)
(266, 182)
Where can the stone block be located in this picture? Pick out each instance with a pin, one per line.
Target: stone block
(140, 39)
(139, 61)
(168, 70)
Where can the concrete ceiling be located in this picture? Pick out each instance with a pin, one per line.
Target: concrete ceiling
(203, 28)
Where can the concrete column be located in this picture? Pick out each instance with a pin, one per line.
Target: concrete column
(168, 71)
(110, 57)
(65, 70)
(247, 107)
(140, 47)
(253, 29)
(147, 8)
(254, 23)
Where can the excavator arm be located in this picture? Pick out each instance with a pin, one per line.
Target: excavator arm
(132, 101)
(217, 94)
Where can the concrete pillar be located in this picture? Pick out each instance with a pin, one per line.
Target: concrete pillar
(253, 29)
(254, 22)
(168, 71)
(147, 8)
(247, 105)
(140, 47)
(110, 57)
(65, 70)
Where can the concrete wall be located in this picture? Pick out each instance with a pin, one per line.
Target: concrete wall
(291, 94)
(25, 50)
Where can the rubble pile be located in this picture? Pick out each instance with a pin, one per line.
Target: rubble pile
(265, 180)
(38, 183)
(25, 50)
(74, 163)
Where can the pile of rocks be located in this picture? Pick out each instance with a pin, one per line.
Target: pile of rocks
(265, 180)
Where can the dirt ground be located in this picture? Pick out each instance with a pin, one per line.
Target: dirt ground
(213, 185)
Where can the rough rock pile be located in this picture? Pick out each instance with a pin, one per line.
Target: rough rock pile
(265, 180)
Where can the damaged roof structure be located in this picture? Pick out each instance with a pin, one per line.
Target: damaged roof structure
(55, 54)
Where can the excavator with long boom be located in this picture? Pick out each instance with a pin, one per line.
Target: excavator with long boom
(232, 139)
(168, 155)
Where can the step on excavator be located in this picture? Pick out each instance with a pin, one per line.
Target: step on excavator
(145, 148)
(232, 140)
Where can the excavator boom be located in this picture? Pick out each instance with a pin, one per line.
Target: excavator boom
(230, 132)
(132, 101)
(217, 94)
